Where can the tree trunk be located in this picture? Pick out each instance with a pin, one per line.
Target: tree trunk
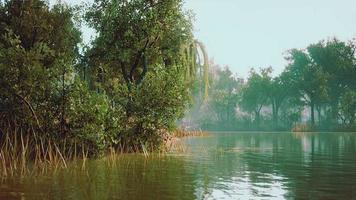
(352, 119)
(275, 108)
(312, 105)
(319, 115)
(276, 116)
(257, 119)
(334, 113)
(128, 107)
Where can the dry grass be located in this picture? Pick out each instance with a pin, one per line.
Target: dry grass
(183, 133)
(302, 128)
(175, 144)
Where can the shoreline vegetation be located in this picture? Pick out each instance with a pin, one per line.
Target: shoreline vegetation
(62, 99)
(20, 156)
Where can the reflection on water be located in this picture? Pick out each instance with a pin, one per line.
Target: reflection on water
(225, 166)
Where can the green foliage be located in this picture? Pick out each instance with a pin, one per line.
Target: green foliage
(348, 107)
(219, 109)
(224, 96)
(126, 92)
(38, 46)
(140, 59)
(90, 119)
(279, 90)
(321, 74)
(156, 105)
(254, 94)
(137, 35)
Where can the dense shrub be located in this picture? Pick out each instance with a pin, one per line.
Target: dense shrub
(155, 106)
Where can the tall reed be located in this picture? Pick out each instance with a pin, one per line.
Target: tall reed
(184, 133)
(21, 153)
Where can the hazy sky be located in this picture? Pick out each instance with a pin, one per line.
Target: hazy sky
(256, 33)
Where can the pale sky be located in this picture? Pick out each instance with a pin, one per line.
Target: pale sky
(256, 33)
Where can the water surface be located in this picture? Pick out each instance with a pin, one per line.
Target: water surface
(242, 165)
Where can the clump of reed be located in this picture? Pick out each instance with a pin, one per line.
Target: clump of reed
(184, 133)
(175, 144)
(22, 154)
(303, 128)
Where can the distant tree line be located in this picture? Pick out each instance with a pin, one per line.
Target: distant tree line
(316, 91)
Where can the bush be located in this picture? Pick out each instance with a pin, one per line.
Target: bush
(153, 107)
(90, 118)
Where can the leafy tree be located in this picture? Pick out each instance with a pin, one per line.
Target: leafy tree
(42, 96)
(136, 35)
(309, 79)
(225, 96)
(91, 121)
(254, 94)
(38, 49)
(279, 89)
(158, 103)
(142, 46)
(348, 106)
(337, 61)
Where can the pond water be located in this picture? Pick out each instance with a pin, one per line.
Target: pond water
(242, 165)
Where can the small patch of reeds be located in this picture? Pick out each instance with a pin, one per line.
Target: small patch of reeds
(175, 144)
(303, 128)
(22, 154)
(184, 133)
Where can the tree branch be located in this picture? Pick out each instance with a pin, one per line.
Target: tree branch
(137, 60)
(26, 102)
(145, 69)
(124, 73)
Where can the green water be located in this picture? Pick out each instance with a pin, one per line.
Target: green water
(222, 166)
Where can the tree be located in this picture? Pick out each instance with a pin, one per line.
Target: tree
(135, 36)
(279, 88)
(254, 94)
(225, 96)
(142, 46)
(336, 59)
(38, 49)
(348, 106)
(309, 79)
